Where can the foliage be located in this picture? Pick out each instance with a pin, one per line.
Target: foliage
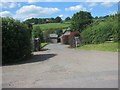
(67, 19)
(43, 44)
(44, 20)
(80, 20)
(37, 33)
(58, 19)
(103, 31)
(16, 40)
(113, 47)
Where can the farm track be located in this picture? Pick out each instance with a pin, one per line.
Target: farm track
(61, 67)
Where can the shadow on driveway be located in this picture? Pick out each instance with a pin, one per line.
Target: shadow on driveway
(34, 58)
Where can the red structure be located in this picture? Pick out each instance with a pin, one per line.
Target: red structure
(72, 39)
(65, 39)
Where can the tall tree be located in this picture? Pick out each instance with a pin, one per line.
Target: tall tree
(96, 17)
(67, 19)
(37, 33)
(80, 20)
(58, 19)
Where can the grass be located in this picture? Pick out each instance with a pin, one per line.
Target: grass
(43, 44)
(53, 25)
(112, 47)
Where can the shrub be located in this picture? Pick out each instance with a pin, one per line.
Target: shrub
(104, 31)
(16, 40)
(37, 33)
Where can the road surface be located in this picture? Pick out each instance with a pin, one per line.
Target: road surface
(61, 67)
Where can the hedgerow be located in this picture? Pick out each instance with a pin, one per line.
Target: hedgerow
(104, 31)
(16, 40)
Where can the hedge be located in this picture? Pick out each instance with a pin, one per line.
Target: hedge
(16, 40)
(104, 31)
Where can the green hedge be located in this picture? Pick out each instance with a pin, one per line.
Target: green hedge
(16, 40)
(104, 31)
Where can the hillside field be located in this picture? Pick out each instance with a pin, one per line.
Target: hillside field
(53, 25)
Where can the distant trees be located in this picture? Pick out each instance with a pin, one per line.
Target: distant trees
(80, 20)
(58, 19)
(67, 19)
(96, 17)
(44, 20)
(106, 30)
(104, 17)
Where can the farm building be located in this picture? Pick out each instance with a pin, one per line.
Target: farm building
(71, 38)
(75, 39)
(53, 38)
(65, 37)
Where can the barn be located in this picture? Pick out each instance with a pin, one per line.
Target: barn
(65, 37)
(71, 38)
(75, 39)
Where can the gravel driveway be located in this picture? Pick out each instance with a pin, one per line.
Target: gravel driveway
(61, 67)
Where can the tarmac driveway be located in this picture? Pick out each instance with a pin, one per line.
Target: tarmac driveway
(61, 67)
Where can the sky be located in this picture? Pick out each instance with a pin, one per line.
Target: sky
(26, 10)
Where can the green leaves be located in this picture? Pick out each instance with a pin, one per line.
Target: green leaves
(80, 20)
(99, 33)
(37, 33)
(16, 40)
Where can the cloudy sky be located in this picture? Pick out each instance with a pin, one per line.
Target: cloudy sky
(25, 10)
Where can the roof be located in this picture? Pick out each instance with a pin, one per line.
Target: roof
(66, 33)
(75, 32)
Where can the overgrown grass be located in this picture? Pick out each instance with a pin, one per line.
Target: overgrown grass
(43, 44)
(53, 25)
(112, 47)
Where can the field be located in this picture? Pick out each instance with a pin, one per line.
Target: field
(112, 47)
(53, 25)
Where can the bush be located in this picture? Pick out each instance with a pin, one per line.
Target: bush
(37, 33)
(104, 31)
(16, 40)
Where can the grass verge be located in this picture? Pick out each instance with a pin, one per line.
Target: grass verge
(43, 44)
(112, 47)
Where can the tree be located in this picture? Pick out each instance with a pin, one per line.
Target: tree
(80, 20)
(37, 33)
(52, 20)
(58, 19)
(96, 17)
(67, 19)
(16, 40)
